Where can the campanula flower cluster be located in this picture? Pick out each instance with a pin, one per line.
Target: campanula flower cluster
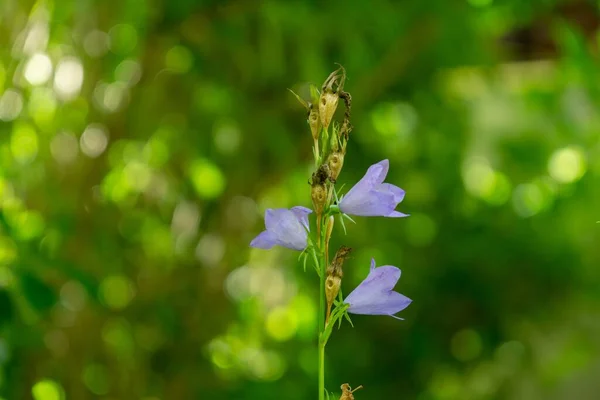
(371, 196)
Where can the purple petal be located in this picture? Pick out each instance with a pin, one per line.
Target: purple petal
(272, 216)
(287, 230)
(264, 240)
(375, 294)
(374, 176)
(393, 189)
(369, 204)
(379, 279)
(397, 214)
(302, 214)
(370, 197)
(383, 303)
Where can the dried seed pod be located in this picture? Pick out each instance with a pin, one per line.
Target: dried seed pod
(330, 96)
(318, 193)
(335, 162)
(314, 122)
(334, 276)
(347, 392)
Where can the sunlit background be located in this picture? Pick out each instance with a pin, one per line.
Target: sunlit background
(141, 142)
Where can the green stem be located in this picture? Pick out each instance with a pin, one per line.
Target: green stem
(321, 370)
(321, 330)
(322, 305)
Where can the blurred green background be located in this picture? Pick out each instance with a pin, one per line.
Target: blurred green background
(141, 142)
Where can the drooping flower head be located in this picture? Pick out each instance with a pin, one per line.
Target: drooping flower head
(370, 197)
(287, 228)
(375, 295)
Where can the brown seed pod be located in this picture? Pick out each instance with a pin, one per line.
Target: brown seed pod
(334, 276)
(329, 99)
(335, 162)
(347, 392)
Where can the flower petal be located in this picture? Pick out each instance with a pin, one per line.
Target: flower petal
(368, 204)
(272, 216)
(374, 176)
(375, 295)
(397, 192)
(288, 231)
(302, 214)
(265, 240)
(383, 303)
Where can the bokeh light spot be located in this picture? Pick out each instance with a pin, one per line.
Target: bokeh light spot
(530, 199)
(11, 105)
(73, 296)
(123, 39)
(68, 78)
(96, 43)
(207, 178)
(466, 345)
(27, 224)
(24, 143)
(281, 323)
(227, 137)
(38, 69)
(94, 140)
(47, 390)
(129, 72)
(96, 379)
(64, 148)
(8, 250)
(116, 291)
(482, 181)
(42, 107)
(118, 338)
(567, 165)
(179, 59)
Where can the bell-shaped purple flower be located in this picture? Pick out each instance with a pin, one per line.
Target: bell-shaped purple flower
(370, 197)
(287, 228)
(375, 295)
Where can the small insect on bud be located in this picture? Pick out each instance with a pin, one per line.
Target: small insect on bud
(330, 96)
(334, 276)
(335, 162)
(347, 392)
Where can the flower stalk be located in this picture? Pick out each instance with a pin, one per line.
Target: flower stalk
(371, 196)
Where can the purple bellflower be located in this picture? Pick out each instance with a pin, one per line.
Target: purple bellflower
(287, 228)
(370, 197)
(375, 295)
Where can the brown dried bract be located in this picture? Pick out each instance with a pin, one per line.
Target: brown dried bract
(347, 392)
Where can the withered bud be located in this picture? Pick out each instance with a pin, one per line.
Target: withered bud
(335, 162)
(318, 191)
(314, 121)
(330, 97)
(334, 275)
(347, 392)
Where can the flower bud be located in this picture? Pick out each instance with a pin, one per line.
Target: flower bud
(334, 275)
(318, 193)
(314, 122)
(330, 96)
(327, 106)
(335, 162)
